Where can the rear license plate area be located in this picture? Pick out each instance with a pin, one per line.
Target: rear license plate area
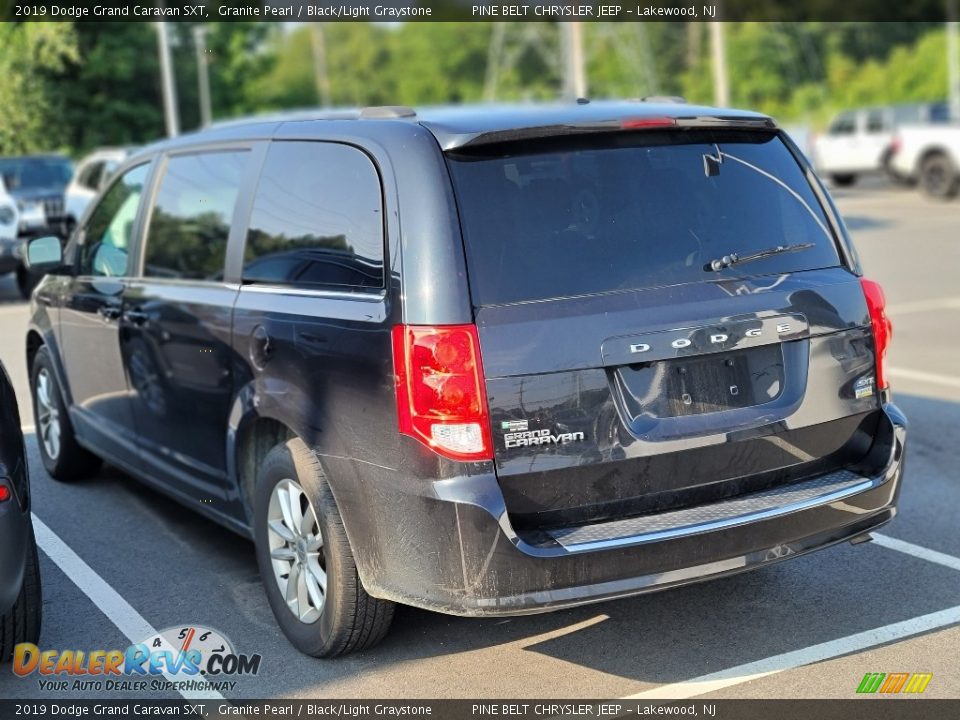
(702, 384)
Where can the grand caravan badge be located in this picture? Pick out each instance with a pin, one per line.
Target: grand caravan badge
(530, 438)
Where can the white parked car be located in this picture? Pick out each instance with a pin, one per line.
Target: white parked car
(930, 156)
(91, 174)
(9, 214)
(858, 142)
(9, 230)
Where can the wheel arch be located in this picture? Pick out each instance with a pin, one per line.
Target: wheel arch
(254, 429)
(38, 337)
(250, 441)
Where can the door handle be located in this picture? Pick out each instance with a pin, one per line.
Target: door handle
(109, 312)
(136, 317)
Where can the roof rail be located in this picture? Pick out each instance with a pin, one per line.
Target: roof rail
(676, 99)
(388, 111)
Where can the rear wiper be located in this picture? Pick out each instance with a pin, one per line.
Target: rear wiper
(734, 259)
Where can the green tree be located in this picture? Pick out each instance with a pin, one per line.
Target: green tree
(438, 63)
(239, 54)
(286, 77)
(29, 101)
(111, 89)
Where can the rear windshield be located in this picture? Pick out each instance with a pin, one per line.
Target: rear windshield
(565, 217)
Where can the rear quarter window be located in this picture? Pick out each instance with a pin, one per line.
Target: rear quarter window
(317, 219)
(564, 218)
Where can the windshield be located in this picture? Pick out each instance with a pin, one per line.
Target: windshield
(35, 173)
(633, 212)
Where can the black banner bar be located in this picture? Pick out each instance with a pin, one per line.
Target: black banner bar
(474, 10)
(872, 708)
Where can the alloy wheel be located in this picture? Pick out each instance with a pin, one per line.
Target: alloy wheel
(296, 551)
(48, 414)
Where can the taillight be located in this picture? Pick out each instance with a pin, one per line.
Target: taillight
(441, 398)
(895, 145)
(4, 492)
(882, 327)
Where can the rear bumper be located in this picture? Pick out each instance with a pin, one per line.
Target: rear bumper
(448, 545)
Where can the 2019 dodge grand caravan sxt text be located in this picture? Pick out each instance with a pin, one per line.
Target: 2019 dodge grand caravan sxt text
(481, 361)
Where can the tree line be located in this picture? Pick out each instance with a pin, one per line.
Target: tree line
(74, 87)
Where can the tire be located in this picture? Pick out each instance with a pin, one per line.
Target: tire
(63, 458)
(348, 619)
(938, 177)
(22, 623)
(843, 180)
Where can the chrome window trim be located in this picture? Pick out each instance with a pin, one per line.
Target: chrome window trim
(377, 295)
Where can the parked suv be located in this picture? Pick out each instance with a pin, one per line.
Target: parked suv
(484, 362)
(20, 595)
(37, 183)
(92, 173)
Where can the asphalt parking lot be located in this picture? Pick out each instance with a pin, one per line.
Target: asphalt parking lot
(119, 559)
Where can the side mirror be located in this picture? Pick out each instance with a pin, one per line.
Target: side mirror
(44, 254)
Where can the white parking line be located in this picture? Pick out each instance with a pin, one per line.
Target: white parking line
(921, 376)
(917, 551)
(529, 642)
(119, 611)
(798, 658)
(824, 651)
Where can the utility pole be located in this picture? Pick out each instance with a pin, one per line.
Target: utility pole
(203, 74)
(953, 59)
(575, 75)
(321, 77)
(494, 56)
(170, 112)
(721, 83)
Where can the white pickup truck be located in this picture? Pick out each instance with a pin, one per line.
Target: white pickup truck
(929, 156)
(857, 142)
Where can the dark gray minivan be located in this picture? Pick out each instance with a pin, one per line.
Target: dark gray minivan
(479, 360)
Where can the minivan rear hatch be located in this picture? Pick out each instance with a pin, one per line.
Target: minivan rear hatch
(664, 316)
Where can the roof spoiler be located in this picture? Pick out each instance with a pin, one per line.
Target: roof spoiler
(464, 140)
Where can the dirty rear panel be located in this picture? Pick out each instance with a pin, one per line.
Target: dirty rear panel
(632, 363)
(669, 431)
